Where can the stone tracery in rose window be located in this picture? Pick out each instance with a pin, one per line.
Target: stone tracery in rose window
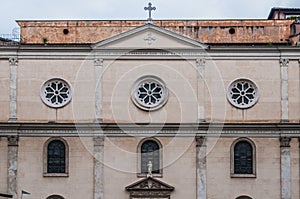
(149, 93)
(242, 93)
(56, 93)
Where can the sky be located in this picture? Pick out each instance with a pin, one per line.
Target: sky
(12, 10)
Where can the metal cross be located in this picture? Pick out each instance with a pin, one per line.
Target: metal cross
(150, 8)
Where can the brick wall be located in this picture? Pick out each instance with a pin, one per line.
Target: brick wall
(206, 31)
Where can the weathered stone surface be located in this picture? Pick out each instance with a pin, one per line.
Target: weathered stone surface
(13, 61)
(12, 165)
(206, 31)
(285, 160)
(201, 167)
(98, 167)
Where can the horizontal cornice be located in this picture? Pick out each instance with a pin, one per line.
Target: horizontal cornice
(86, 52)
(144, 130)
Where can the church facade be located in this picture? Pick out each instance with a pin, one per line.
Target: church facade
(152, 109)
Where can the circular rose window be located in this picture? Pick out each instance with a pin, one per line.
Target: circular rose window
(56, 93)
(149, 93)
(242, 93)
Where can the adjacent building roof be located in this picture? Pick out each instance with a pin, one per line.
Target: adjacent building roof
(281, 13)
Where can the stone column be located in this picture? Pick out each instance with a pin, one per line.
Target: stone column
(201, 88)
(13, 61)
(201, 167)
(98, 93)
(98, 167)
(284, 89)
(12, 165)
(285, 167)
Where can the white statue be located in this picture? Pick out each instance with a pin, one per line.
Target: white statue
(149, 165)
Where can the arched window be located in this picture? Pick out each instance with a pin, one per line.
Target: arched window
(150, 151)
(55, 197)
(243, 197)
(243, 158)
(56, 157)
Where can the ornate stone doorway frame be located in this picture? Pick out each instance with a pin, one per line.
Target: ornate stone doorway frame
(149, 188)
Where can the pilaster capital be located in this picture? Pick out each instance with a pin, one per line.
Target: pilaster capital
(13, 61)
(285, 141)
(13, 140)
(201, 141)
(284, 62)
(98, 62)
(200, 61)
(200, 67)
(98, 141)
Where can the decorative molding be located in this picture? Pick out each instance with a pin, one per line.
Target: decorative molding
(83, 52)
(98, 62)
(150, 194)
(201, 61)
(13, 61)
(284, 62)
(13, 140)
(149, 188)
(270, 130)
(98, 141)
(285, 141)
(149, 39)
(201, 67)
(153, 28)
(201, 141)
(146, 133)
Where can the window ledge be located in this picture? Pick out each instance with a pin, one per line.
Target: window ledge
(56, 175)
(234, 175)
(144, 175)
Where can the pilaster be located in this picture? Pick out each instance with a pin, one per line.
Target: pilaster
(12, 165)
(284, 89)
(98, 63)
(201, 88)
(98, 167)
(299, 86)
(285, 167)
(201, 167)
(13, 62)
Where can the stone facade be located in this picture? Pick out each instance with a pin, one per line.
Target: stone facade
(196, 129)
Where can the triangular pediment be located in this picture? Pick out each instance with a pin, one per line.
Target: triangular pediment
(149, 184)
(149, 36)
